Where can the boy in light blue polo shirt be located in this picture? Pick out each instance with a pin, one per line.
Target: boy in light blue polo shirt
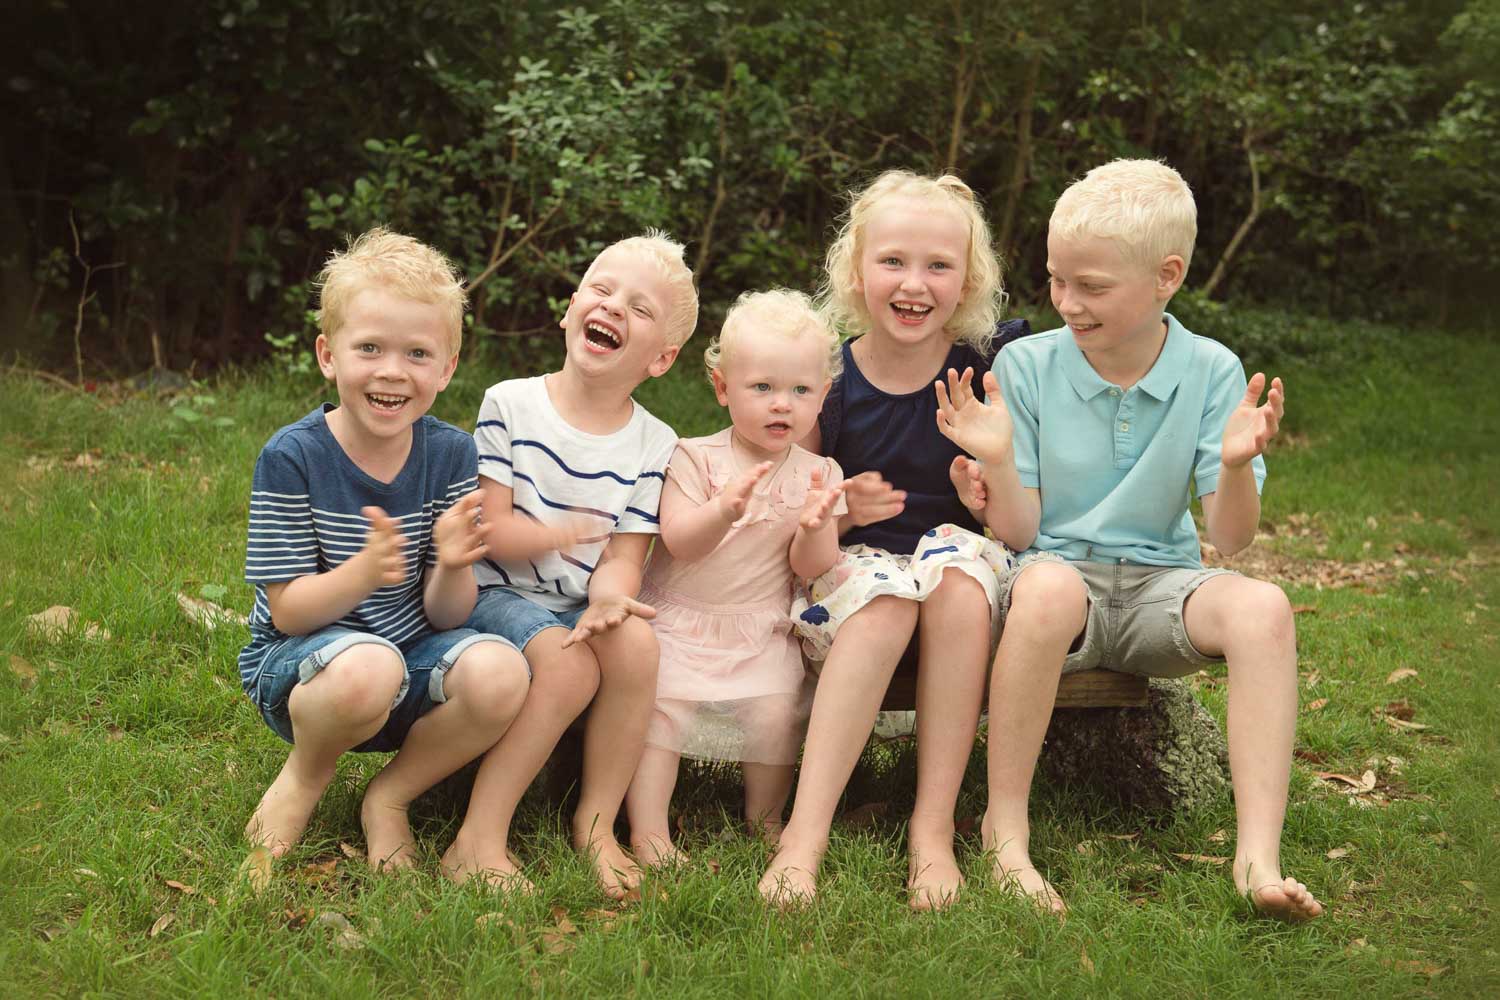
(1095, 439)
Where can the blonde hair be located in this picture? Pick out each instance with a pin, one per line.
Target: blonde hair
(396, 263)
(667, 255)
(982, 298)
(781, 312)
(1144, 206)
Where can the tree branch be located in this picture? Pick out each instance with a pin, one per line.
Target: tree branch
(1222, 267)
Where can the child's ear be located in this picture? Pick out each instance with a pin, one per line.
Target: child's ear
(564, 321)
(1169, 276)
(448, 371)
(823, 393)
(662, 362)
(721, 388)
(323, 351)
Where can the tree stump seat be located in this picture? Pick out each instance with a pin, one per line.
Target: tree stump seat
(1081, 689)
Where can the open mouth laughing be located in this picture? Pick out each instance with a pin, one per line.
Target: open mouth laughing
(910, 312)
(386, 403)
(601, 337)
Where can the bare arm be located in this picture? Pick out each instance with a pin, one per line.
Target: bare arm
(1232, 512)
(613, 587)
(815, 546)
(692, 530)
(308, 603)
(509, 535)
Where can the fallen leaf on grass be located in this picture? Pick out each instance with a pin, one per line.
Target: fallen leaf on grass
(88, 460)
(1395, 723)
(1471, 886)
(1364, 783)
(1400, 675)
(86, 872)
(113, 733)
(1339, 852)
(713, 866)
(1357, 945)
(1317, 704)
(554, 942)
(351, 852)
(1304, 609)
(564, 925)
(1085, 847)
(207, 614)
(162, 923)
(1441, 838)
(188, 890)
(1429, 969)
(1207, 859)
(58, 621)
(31, 808)
(1122, 836)
(1218, 837)
(345, 936)
(499, 921)
(256, 869)
(1399, 710)
(1084, 962)
(23, 671)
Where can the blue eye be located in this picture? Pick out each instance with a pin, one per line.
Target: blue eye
(802, 390)
(762, 387)
(367, 348)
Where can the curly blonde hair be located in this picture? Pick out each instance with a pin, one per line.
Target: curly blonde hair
(983, 296)
(1144, 206)
(400, 264)
(667, 256)
(780, 312)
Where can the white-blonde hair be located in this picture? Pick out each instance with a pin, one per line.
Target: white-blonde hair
(982, 298)
(779, 312)
(667, 256)
(1143, 206)
(399, 264)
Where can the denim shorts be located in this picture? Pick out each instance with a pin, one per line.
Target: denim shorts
(1135, 622)
(515, 617)
(299, 658)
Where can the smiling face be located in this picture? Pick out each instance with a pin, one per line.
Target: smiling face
(1111, 304)
(615, 326)
(911, 268)
(774, 387)
(389, 359)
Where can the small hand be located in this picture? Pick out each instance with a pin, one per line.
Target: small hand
(1251, 427)
(459, 533)
(382, 553)
(601, 616)
(980, 427)
(736, 495)
(820, 502)
(967, 477)
(871, 498)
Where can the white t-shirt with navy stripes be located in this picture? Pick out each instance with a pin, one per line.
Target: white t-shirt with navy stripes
(305, 502)
(602, 483)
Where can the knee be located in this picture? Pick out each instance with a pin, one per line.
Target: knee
(628, 652)
(565, 677)
(1051, 596)
(1260, 612)
(361, 682)
(895, 616)
(492, 682)
(956, 589)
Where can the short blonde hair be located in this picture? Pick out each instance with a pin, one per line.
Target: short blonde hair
(1144, 206)
(396, 263)
(667, 255)
(983, 296)
(783, 313)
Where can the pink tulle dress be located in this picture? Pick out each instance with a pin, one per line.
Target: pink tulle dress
(732, 684)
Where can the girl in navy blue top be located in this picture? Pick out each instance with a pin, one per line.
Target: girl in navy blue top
(913, 274)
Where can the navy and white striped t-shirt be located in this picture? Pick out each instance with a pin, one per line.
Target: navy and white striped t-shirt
(604, 483)
(305, 502)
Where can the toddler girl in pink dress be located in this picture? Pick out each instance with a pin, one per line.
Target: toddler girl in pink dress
(743, 513)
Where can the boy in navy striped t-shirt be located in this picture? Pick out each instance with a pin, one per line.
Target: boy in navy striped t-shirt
(364, 530)
(572, 469)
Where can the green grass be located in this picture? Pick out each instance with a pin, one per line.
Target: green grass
(134, 760)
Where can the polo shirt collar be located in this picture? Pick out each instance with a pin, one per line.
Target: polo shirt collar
(1159, 382)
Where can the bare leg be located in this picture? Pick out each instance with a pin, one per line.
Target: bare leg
(850, 688)
(767, 787)
(485, 689)
(1249, 622)
(1048, 610)
(647, 804)
(342, 706)
(953, 636)
(563, 682)
(613, 739)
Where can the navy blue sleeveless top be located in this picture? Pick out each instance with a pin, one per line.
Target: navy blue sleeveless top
(863, 428)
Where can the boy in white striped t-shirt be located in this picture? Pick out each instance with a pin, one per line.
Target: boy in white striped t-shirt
(364, 530)
(572, 469)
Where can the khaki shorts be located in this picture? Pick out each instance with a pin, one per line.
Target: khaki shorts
(1135, 622)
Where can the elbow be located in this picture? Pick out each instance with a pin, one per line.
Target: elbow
(287, 623)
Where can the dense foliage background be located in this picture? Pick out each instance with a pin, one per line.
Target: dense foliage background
(209, 154)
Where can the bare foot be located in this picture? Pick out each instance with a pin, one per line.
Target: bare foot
(1275, 897)
(1013, 871)
(283, 812)
(791, 880)
(768, 830)
(490, 863)
(388, 840)
(934, 881)
(615, 869)
(658, 851)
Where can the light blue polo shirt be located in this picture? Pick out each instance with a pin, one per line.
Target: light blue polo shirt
(1116, 467)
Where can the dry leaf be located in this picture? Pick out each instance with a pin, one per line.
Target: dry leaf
(1429, 969)
(351, 852)
(162, 923)
(1396, 723)
(1399, 709)
(256, 869)
(1335, 776)
(23, 671)
(345, 936)
(713, 866)
(1084, 962)
(31, 808)
(1218, 837)
(1367, 781)
(555, 942)
(1317, 704)
(207, 614)
(86, 460)
(1304, 609)
(186, 890)
(1400, 675)
(1085, 847)
(58, 621)
(1471, 886)
(113, 733)
(1122, 836)
(1207, 859)
(1339, 852)
(88, 873)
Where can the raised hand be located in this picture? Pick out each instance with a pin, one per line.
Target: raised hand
(459, 533)
(1252, 425)
(820, 502)
(736, 495)
(386, 565)
(967, 477)
(870, 498)
(980, 427)
(601, 616)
